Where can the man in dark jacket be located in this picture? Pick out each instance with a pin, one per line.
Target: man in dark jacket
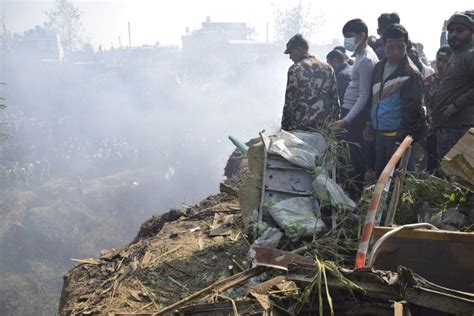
(396, 97)
(383, 22)
(431, 86)
(338, 62)
(453, 109)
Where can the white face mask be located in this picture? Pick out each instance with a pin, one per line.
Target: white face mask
(350, 44)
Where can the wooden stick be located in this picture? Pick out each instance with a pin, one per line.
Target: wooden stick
(86, 261)
(164, 254)
(142, 308)
(217, 287)
(148, 294)
(178, 283)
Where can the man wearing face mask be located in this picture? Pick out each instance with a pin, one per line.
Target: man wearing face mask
(396, 98)
(357, 94)
(311, 92)
(453, 109)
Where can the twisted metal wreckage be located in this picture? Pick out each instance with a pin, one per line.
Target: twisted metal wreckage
(284, 191)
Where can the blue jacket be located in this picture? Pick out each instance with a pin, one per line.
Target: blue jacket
(396, 104)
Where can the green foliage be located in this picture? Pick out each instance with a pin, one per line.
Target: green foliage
(33, 293)
(336, 153)
(323, 269)
(40, 230)
(339, 245)
(293, 230)
(423, 189)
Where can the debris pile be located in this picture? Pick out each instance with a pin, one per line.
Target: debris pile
(247, 251)
(171, 257)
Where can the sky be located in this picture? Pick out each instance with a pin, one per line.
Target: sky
(166, 21)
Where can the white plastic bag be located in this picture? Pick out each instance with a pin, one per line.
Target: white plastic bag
(293, 148)
(330, 193)
(299, 211)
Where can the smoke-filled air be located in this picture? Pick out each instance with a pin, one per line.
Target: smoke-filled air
(98, 135)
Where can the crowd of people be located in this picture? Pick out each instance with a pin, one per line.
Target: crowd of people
(384, 92)
(25, 163)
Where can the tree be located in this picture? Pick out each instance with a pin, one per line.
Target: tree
(64, 18)
(294, 20)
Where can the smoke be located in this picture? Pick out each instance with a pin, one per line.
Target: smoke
(100, 142)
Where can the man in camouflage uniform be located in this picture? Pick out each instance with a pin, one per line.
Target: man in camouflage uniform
(311, 92)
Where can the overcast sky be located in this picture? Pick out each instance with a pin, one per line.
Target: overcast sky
(165, 21)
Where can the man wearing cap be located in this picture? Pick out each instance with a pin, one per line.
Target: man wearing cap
(431, 85)
(453, 108)
(311, 91)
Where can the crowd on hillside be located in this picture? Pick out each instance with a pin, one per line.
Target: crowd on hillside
(36, 150)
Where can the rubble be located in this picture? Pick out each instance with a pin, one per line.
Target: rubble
(162, 250)
(211, 259)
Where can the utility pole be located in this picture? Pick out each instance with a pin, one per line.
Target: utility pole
(120, 43)
(129, 37)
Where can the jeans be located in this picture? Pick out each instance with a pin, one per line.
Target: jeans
(447, 137)
(431, 152)
(356, 172)
(384, 149)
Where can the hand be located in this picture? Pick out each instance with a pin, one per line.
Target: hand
(339, 124)
(450, 110)
(368, 133)
(395, 146)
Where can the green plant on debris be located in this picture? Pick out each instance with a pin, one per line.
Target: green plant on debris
(336, 152)
(293, 230)
(340, 243)
(423, 190)
(323, 269)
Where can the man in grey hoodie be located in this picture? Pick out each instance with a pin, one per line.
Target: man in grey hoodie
(353, 118)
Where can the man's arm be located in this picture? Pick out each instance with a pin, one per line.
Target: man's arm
(411, 97)
(290, 98)
(365, 75)
(467, 99)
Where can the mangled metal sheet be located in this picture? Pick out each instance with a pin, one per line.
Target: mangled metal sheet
(441, 256)
(278, 259)
(459, 161)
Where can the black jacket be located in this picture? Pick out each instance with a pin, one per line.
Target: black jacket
(457, 87)
(396, 104)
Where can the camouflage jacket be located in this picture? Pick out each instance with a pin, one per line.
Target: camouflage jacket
(311, 95)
